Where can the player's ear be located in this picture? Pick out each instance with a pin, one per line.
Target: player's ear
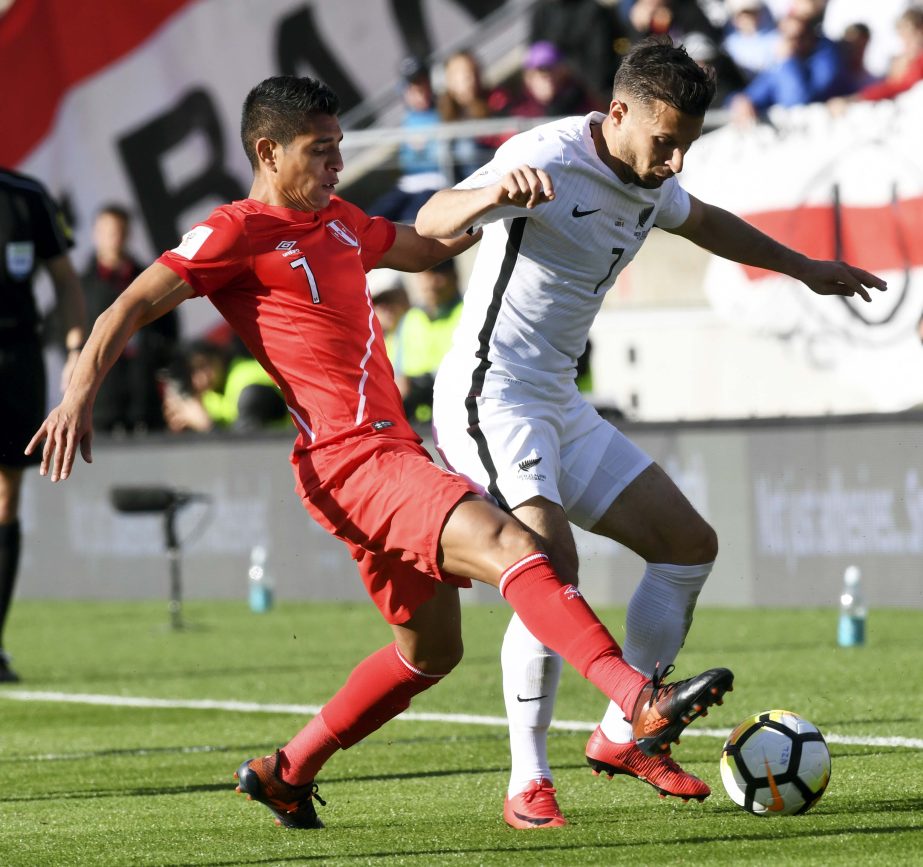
(266, 150)
(617, 111)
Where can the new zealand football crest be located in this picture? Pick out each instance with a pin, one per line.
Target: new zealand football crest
(645, 214)
(527, 468)
(342, 234)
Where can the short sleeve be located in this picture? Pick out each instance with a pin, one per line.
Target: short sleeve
(674, 206)
(377, 238)
(211, 254)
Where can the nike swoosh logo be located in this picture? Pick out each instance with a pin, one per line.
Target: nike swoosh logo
(578, 213)
(776, 805)
(534, 698)
(532, 820)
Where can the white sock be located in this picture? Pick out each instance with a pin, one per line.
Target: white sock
(659, 617)
(531, 673)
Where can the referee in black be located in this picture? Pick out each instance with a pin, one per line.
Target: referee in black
(33, 233)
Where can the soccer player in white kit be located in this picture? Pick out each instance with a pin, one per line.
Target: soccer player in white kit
(565, 207)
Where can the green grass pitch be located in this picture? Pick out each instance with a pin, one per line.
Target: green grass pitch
(100, 784)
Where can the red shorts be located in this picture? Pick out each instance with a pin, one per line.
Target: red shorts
(387, 500)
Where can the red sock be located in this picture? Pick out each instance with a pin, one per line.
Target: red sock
(377, 690)
(305, 754)
(558, 616)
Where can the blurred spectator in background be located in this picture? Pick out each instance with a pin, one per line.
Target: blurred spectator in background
(390, 302)
(751, 38)
(880, 16)
(215, 387)
(419, 158)
(424, 337)
(854, 45)
(907, 67)
(129, 399)
(810, 11)
(708, 54)
(810, 68)
(33, 233)
(549, 87)
(464, 98)
(586, 34)
(676, 18)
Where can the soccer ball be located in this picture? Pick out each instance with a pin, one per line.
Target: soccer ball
(775, 763)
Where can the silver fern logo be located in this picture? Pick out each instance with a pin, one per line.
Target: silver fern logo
(527, 468)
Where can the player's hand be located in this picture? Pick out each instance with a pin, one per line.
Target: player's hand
(840, 278)
(67, 426)
(526, 187)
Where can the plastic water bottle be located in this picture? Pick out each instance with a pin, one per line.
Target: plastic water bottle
(853, 611)
(260, 583)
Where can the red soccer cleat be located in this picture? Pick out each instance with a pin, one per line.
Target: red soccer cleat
(535, 807)
(293, 806)
(663, 710)
(667, 777)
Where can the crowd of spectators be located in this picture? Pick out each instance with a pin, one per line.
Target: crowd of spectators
(765, 53)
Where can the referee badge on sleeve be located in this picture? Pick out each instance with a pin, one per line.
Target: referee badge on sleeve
(20, 259)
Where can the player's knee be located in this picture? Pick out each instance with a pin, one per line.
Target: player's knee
(513, 541)
(707, 544)
(440, 659)
(697, 543)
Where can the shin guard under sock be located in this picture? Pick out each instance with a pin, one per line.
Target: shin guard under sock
(558, 616)
(377, 690)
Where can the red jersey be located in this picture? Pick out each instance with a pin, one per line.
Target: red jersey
(292, 284)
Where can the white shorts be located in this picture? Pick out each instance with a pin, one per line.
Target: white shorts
(519, 447)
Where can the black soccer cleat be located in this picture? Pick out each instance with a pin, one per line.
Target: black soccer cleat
(663, 710)
(7, 675)
(293, 806)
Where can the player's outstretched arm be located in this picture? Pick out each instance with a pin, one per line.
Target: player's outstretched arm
(70, 424)
(412, 252)
(450, 212)
(727, 235)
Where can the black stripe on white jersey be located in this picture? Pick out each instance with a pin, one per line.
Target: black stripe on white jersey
(513, 243)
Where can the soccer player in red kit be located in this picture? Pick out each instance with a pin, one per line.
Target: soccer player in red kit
(287, 269)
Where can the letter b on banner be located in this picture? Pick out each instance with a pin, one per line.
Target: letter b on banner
(145, 153)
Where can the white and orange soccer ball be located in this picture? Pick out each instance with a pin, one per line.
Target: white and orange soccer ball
(775, 763)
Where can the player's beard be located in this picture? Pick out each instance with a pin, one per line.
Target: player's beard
(643, 177)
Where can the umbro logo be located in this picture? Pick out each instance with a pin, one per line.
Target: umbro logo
(528, 463)
(286, 245)
(578, 213)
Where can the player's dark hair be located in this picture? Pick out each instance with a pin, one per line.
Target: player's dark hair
(281, 108)
(656, 70)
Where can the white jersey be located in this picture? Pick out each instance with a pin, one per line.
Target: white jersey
(541, 274)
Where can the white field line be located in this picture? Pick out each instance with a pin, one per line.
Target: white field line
(458, 718)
